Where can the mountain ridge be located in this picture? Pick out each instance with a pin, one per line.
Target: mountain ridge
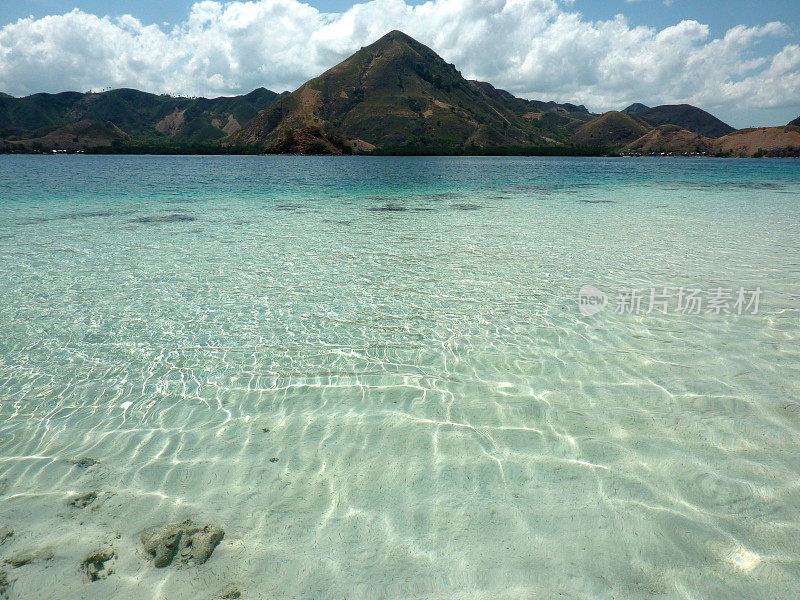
(141, 116)
(394, 96)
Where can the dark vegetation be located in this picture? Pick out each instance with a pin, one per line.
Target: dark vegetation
(147, 119)
(687, 116)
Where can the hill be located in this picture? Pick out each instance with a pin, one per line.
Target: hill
(687, 116)
(141, 116)
(796, 122)
(671, 139)
(83, 134)
(396, 92)
(761, 141)
(612, 129)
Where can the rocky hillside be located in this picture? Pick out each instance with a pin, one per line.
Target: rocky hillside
(138, 116)
(398, 91)
(795, 122)
(671, 139)
(687, 116)
(762, 141)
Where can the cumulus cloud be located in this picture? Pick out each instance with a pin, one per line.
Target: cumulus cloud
(533, 48)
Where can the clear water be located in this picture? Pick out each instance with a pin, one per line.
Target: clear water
(445, 421)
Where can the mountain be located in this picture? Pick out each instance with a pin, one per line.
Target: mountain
(635, 109)
(684, 115)
(671, 139)
(397, 91)
(796, 122)
(611, 129)
(138, 115)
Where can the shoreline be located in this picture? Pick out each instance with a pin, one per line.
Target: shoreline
(373, 154)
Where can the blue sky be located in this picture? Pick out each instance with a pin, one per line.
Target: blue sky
(720, 15)
(550, 49)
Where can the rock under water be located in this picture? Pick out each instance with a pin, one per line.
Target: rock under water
(5, 533)
(96, 564)
(25, 558)
(190, 543)
(5, 585)
(82, 500)
(84, 462)
(230, 592)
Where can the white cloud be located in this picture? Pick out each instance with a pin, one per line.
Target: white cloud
(534, 48)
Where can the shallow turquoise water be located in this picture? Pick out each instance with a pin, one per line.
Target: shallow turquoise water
(446, 422)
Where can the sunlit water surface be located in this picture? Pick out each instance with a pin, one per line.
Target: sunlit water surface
(374, 375)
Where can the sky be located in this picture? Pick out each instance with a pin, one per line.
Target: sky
(739, 60)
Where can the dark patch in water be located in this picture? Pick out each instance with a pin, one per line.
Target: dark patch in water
(553, 187)
(388, 208)
(397, 208)
(337, 222)
(467, 206)
(288, 207)
(172, 218)
(87, 215)
(731, 185)
(84, 463)
(34, 221)
(445, 195)
(76, 215)
(598, 201)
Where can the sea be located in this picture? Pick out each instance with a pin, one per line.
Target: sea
(401, 377)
